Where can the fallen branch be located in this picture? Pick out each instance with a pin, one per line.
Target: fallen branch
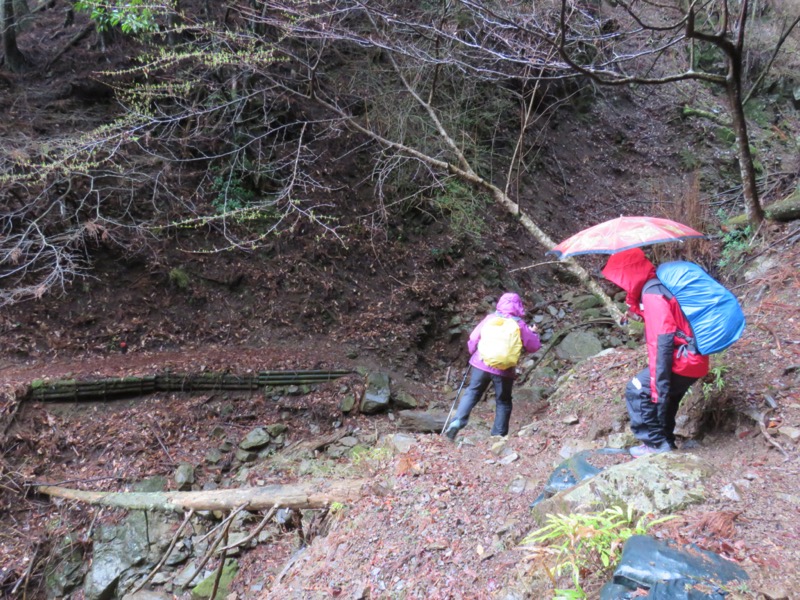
(254, 533)
(219, 539)
(759, 418)
(301, 495)
(166, 554)
(774, 335)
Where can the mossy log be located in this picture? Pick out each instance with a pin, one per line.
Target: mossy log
(70, 389)
(301, 495)
(785, 210)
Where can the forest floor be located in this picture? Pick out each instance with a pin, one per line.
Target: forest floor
(443, 520)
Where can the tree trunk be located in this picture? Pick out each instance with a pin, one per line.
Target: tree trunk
(15, 60)
(301, 495)
(752, 205)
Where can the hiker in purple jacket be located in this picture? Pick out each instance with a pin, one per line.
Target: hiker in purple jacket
(509, 306)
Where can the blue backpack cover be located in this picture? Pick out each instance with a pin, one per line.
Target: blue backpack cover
(713, 312)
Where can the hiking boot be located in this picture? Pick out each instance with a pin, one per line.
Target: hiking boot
(452, 430)
(644, 449)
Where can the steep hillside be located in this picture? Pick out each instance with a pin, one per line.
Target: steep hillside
(396, 292)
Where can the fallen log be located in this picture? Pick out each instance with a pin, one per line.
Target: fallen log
(301, 495)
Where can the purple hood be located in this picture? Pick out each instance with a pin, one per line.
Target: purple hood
(511, 304)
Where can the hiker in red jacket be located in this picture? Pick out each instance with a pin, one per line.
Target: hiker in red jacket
(509, 306)
(654, 395)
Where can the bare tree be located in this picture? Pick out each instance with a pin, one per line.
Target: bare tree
(641, 42)
(203, 119)
(15, 59)
(419, 76)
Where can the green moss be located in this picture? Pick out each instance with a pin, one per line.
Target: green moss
(205, 587)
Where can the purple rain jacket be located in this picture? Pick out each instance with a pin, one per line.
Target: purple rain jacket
(509, 305)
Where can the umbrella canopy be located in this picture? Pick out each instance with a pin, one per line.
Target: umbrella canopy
(624, 233)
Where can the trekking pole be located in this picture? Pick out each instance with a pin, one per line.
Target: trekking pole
(461, 387)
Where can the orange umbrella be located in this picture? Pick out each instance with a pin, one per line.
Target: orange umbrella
(624, 233)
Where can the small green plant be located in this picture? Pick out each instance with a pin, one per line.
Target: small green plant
(715, 380)
(689, 160)
(360, 454)
(231, 195)
(576, 544)
(463, 208)
(735, 242)
(179, 278)
(336, 507)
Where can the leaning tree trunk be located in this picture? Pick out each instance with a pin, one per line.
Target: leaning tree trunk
(15, 60)
(733, 84)
(752, 204)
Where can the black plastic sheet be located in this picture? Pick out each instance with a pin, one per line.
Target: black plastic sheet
(670, 572)
(571, 472)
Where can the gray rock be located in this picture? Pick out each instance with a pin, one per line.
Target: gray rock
(189, 575)
(793, 433)
(518, 485)
(732, 492)
(585, 302)
(347, 403)
(402, 442)
(116, 549)
(255, 439)
(65, 573)
(422, 421)
(658, 484)
(276, 429)
(509, 458)
(579, 345)
(213, 456)
(621, 440)
(184, 476)
(403, 400)
(377, 394)
(147, 595)
(760, 267)
(151, 484)
(245, 455)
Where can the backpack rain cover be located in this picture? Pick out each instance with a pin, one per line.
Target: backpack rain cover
(713, 312)
(500, 345)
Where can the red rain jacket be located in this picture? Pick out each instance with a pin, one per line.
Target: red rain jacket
(667, 353)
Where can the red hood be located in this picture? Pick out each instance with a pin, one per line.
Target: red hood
(630, 270)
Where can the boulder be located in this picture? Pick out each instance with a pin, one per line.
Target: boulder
(403, 400)
(422, 421)
(579, 345)
(184, 476)
(377, 394)
(654, 484)
(255, 439)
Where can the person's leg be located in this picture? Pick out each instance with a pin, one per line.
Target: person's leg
(646, 423)
(502, 412)
(679, 385)
(478, 382)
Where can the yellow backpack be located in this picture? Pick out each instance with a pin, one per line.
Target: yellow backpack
(500, 345)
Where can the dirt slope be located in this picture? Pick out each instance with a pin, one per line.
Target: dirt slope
(450, 516)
